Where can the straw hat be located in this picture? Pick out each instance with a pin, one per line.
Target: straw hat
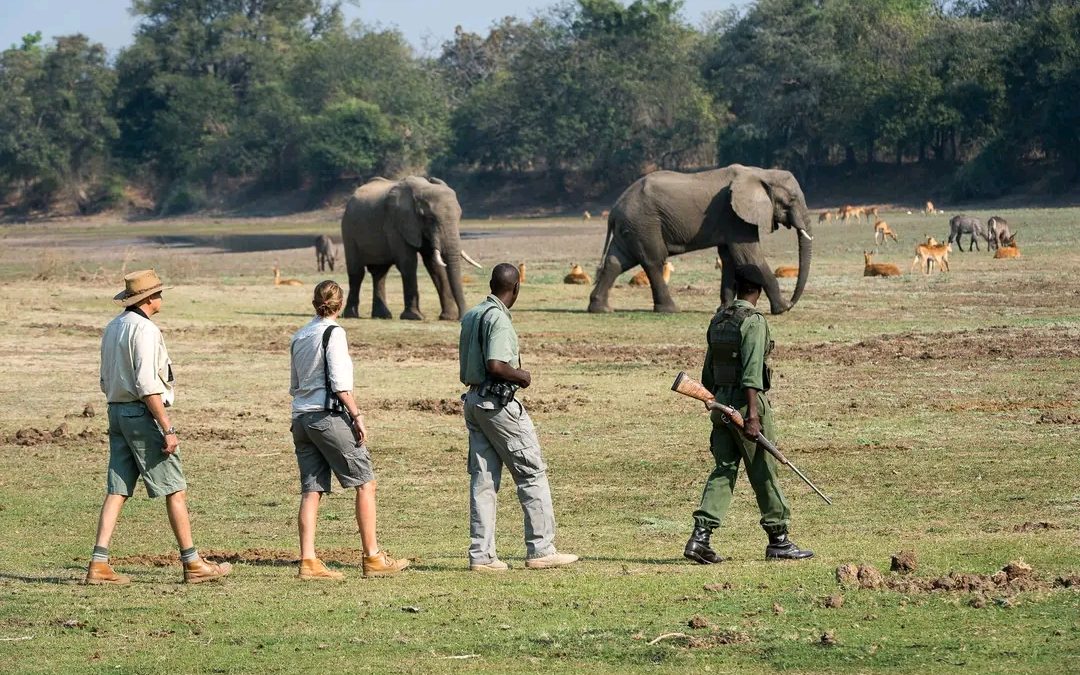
(138, 286)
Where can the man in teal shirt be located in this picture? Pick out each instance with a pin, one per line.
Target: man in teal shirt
(737, 374)
(501, 432)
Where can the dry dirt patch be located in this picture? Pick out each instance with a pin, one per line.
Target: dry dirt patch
(996, 342)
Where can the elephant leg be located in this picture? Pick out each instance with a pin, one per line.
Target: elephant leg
(661, 296)
(750, 253)
(379, 310)
(441, 279)
(356, 279)
(610, 269)
(330, 262)
(727, 276)
(407, 267)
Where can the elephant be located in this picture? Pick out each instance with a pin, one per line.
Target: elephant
(667, 213)
(325, 252)
(388, 223)
(997, 231)
(961, 225)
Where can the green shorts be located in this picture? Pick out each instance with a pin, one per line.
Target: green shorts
(136, 449)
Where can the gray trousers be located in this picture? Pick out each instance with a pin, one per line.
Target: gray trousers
(505, 436)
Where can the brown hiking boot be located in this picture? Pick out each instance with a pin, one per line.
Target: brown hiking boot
(382, 565)
(101, 573)
(313, 568)
(201, 570)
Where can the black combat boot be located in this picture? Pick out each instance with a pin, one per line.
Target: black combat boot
(698, 549)
(782, 548)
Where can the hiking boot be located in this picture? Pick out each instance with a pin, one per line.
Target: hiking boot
(698, 549)
(782, 548)
(551, 560)
(382, 565)
(313, 568)
(101, 573)
(495, 565)
(199, 570)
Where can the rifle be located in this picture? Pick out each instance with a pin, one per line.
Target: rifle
(688, 386)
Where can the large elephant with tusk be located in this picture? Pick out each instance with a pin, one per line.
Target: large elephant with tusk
(387, 223)
(667, 213)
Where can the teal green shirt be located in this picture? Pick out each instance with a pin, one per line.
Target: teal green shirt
(500, 340)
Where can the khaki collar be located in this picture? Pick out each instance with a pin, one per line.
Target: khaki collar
(499, 303)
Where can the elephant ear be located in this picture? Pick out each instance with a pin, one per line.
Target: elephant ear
(752, 201)
(406, 219)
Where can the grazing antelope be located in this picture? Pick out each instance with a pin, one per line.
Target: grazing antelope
(278, 281)
(521, 272)
(930, 254)
(577, 276)
(325, 252)
(872, 211)
(824, 216)
(586, 216)
(786, 272)
(882, 232)
(642, 279)
(997, 231)
(1008, 249)
(929, 209)
(847, 211)
(873, 269)
(605, 213)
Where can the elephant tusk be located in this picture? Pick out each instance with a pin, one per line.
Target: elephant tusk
(471, 261)
(438, 258)
(808, 237)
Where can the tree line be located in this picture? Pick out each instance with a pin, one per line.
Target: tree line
(216, 96)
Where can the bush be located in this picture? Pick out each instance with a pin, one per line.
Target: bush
(991, 174)
(182, 197)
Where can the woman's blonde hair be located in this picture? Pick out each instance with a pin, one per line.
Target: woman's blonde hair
(328, 298)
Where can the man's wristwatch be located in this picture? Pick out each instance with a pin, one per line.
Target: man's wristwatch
(171, 431)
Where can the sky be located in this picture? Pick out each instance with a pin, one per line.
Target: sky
(425, 23)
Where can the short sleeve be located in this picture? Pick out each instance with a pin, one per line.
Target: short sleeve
(752, 349)
(499, 338)
(144, 362)
(339, 362)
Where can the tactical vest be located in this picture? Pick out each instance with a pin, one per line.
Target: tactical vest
(725, 340)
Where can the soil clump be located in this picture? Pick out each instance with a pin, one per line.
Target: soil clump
(904, 561)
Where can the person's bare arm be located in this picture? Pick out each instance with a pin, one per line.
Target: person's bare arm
(504, 371)
(752, 422)
(346, 398)
(157, 408)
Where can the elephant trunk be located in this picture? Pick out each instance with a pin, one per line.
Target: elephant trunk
(452, 260)
(805, 252)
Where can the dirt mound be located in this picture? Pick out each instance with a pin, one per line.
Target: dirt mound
(250, 556)
(1057, 418)
(994, 342)
(1014, 577)
(439, 406)
(31, 436)
(904, 561)
(1035, 527)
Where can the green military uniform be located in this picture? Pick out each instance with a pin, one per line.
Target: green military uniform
(739, 345)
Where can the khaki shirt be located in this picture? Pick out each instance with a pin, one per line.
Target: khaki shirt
(134, 361)
(754, 332)
(500, 340)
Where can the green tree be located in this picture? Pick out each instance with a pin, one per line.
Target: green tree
(55, 116)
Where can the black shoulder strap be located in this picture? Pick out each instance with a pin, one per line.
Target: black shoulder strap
(480, 332)
(332, 402)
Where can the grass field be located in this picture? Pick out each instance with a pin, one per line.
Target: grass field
(939, 413)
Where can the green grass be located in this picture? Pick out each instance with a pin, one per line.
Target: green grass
(938, 413)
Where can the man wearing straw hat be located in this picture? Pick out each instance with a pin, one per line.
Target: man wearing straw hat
(137, 378)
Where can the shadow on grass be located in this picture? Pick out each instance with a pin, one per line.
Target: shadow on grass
(56, 581)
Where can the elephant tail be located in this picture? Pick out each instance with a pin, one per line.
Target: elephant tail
(607, 243)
